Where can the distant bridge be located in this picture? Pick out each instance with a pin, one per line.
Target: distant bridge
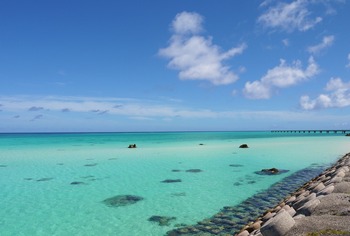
(311, 131)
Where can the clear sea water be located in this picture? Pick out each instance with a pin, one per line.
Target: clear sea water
(36, 172)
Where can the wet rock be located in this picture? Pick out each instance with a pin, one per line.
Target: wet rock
(90, 165)
(122, 200)
(194, 170)
(272, 171)
(44, 179)
(162, 220)
(132, 146)
(244, 146)
(201, 144)
(176, 170)
(171, 181)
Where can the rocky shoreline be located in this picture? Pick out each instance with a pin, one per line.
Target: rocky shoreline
(319, 207)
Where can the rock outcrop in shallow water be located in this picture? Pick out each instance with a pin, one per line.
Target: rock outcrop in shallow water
(171, 181)
(272, 171)
(132, 146)
(194, 170)
(162, 220)
(122, 200)
(244, 146)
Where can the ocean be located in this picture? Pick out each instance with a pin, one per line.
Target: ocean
(93, 184)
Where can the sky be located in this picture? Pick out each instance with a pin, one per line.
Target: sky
(184, 65)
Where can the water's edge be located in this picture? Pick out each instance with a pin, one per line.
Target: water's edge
(231, 219)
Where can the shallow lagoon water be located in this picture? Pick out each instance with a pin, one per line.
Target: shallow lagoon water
(37, 197)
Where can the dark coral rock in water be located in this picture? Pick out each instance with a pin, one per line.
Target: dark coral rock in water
(272, 171)
(3, 165)
(171, 181)
(44, 179)
(162, 220)
(122, 200)
(176, 170)
(93, 164)
(194, 170)
(132, 146)
(77, 183)
(244, 146)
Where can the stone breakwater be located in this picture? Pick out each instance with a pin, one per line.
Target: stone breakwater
(231, 219)
(319, 207)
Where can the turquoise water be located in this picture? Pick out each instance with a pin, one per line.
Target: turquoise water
(36, 172)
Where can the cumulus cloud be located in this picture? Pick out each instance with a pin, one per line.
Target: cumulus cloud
(326, 42)
(289, 16)
(194, 55)
(338, 96)
(281, 76)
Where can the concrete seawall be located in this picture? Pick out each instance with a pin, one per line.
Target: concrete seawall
(319, 207)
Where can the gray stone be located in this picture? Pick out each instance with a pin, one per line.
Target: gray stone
(304, 200)
(343, 187)
(308, 207)
(327, 190)
(340, 174)
(334, 180)
(243, 233)
(298, 217)
(278, 225)
(319, 187)
(290, 210)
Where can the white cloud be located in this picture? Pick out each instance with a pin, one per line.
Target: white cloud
(348, 65)
(289, 16)
(338, 96)
(285, 42)
(195, 56)
(281, 76)
(187, 22)
(326, 42)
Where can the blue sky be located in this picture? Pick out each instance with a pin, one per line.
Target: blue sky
(171, 65)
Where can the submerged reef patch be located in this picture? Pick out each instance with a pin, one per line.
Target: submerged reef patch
(171, 181)
(272, 171)
(162, 220)
(236, 165)
(77, 183)
(194, 170)
(44, 179)
(122, 200)
(90, 165)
